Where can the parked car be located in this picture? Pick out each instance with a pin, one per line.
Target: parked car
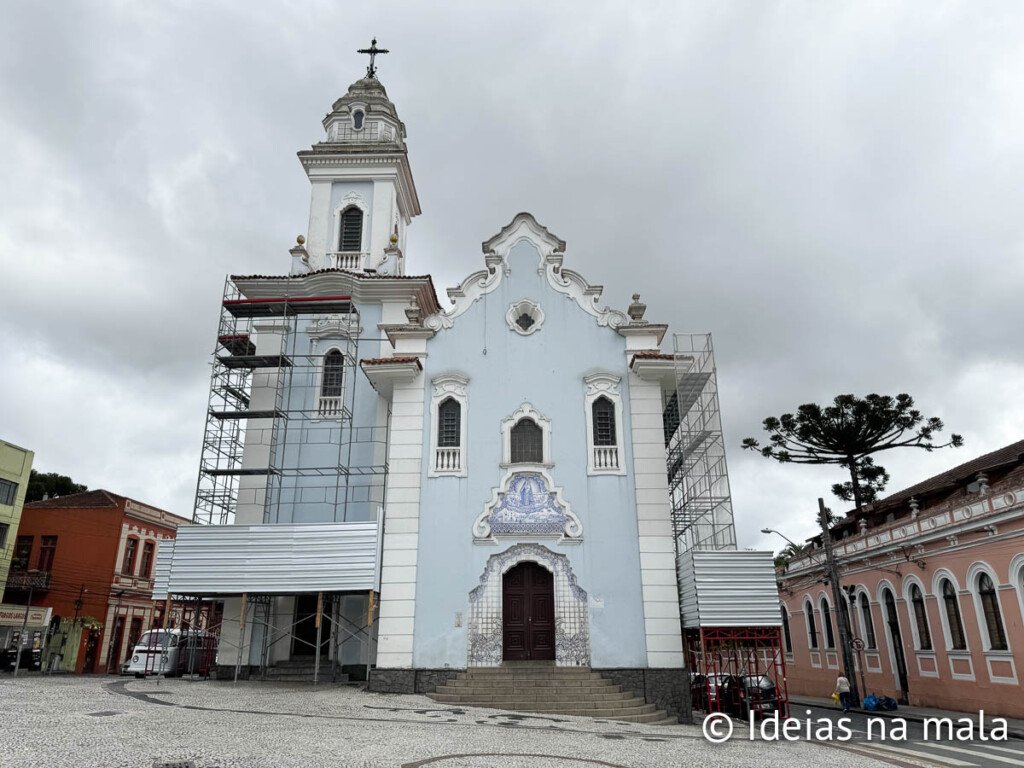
(742, 695)
(704, 690)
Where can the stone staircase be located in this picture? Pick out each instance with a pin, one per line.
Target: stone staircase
(542, 688)
(301, 671)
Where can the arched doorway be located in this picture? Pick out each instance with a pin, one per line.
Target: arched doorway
(528, 613)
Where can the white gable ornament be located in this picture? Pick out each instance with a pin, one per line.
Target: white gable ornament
(524, 317)
(527, 505)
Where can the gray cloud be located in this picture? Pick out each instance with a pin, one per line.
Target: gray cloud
(831, 189)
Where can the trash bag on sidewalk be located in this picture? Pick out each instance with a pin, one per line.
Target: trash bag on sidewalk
(888, 703)
(872, 703)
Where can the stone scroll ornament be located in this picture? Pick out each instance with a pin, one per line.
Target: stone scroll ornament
(527, 505)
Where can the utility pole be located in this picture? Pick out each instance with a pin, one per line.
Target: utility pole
(838, 596)
(24, 623)
(113, 629)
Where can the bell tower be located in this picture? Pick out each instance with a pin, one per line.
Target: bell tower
(363, 195)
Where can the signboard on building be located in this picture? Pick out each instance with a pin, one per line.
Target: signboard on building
(14, 615)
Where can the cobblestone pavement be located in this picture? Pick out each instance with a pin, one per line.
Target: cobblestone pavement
(95, 721)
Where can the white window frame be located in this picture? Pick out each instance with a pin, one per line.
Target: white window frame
(524, 307)
(973, 574)
(453, 461)
(352, 199)
(861, 624)
(832, 624)
(525, 411)
(908, 583)
(808, 621)
(601, 460)
(943, 575)
(318, 413)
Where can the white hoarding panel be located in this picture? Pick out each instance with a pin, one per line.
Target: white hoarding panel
(162, 569)
(275, 559)
(728, 588)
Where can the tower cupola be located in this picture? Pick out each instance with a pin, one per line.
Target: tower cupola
(363, 195)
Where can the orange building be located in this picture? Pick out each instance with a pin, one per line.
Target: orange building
(90, 557)
(933, 581)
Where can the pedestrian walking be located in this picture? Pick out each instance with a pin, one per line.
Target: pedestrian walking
(843, 689)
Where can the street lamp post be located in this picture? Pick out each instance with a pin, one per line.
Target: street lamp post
(24, 624)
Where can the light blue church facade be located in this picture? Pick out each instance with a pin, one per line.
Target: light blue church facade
(504, 454)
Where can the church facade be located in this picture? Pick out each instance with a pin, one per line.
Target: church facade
(401, 491)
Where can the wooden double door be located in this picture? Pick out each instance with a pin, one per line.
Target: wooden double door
(528, 613)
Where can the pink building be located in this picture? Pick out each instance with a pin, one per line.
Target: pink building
(934, 583)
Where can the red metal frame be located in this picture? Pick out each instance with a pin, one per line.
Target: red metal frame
(746, 651)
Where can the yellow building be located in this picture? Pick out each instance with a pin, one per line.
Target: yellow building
(15, 467)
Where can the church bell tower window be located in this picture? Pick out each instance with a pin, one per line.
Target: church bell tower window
(357, 119)
(351, 237)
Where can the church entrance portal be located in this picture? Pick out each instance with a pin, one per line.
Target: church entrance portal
(528, 613)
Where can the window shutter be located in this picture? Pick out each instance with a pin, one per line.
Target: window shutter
(351, 230)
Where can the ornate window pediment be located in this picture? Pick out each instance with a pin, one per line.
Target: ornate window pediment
(527, 505)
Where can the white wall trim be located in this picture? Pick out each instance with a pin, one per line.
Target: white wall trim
(974, 572)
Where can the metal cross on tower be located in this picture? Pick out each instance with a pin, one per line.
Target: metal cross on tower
(373, 50)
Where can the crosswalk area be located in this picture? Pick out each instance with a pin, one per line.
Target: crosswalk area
(967, 754)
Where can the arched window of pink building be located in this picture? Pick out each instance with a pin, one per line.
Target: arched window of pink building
(993, 616)
(812, 630)
(924, 636)
(826, 624)
(787, 637)
(866, 622)
(955, 624)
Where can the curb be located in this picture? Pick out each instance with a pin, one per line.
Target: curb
(1011, 732)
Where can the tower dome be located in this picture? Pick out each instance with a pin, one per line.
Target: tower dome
(364, 115)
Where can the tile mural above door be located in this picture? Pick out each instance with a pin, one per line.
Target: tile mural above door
(527, 504)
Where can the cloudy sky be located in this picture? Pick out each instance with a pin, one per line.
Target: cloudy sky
(832, 189)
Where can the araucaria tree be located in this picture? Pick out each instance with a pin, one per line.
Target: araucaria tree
(848, 433)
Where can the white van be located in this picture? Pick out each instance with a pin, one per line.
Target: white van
(167, 652)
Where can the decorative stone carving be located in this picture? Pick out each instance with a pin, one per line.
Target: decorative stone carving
(527, 505)
(572, 620)
(333, 327)
(637, 309)
(982, 479)
(915, 508)
(524, 317)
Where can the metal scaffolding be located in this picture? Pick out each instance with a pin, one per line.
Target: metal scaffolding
(698, 479)
(279, 430)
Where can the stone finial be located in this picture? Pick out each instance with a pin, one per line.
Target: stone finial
(636, 309)
(300, 240)
(863, 526)
(915, 508)
(982, 479)
(413, 312)
(394, 236)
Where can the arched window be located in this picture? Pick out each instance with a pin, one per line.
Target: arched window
(951, 601)
(826, 622)
(334, 370)
(331, 384)
(812, 630)
(351, 236)
(527, 440)
(146, 566)
(357, 119)
(449, 418)
(924, 636)
(866, 622)
(993, 616)
(786, 636)
(604, 421)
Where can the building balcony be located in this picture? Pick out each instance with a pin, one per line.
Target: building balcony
(26, 580)
(351, 260)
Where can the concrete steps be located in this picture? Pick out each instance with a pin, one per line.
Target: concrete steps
(539, 687)
(301, 671)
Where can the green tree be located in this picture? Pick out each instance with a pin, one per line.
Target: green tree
(50, 484)
(848, 433)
